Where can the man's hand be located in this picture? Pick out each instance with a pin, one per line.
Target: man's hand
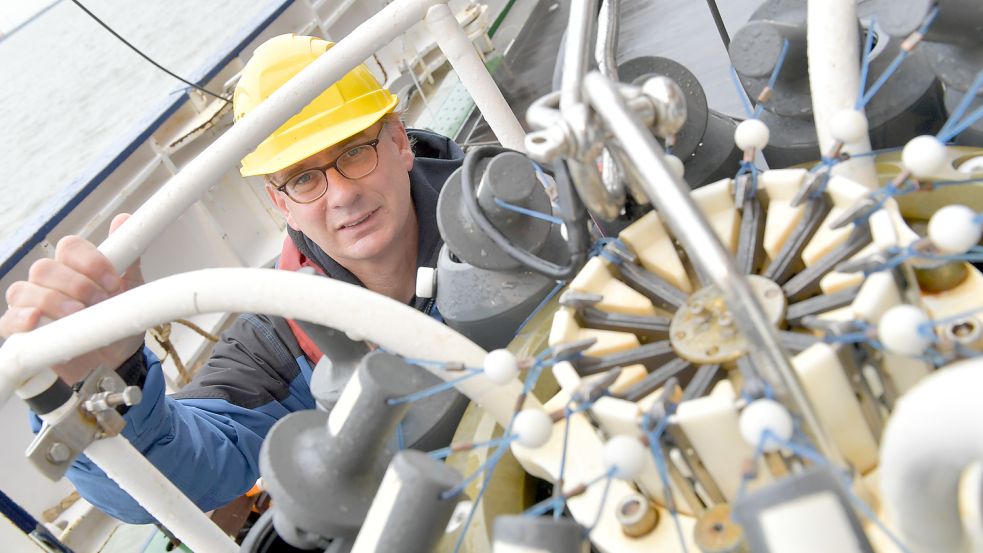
(79, 276)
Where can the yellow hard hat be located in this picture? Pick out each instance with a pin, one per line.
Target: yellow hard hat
(344, 109)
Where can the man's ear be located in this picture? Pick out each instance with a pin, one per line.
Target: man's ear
(281, 204)
(402, 142)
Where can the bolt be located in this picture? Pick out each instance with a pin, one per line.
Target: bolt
(679, 335)
(58, 453)
(131, 395)
(725, 319)
(695, 307)
(713, 350)
(109, 384)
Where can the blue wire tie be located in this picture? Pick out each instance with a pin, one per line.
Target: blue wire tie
(432, 391)
(528, 212)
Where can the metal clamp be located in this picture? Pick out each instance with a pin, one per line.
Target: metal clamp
(89, 415)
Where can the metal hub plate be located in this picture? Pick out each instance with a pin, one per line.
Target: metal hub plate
(704, 331)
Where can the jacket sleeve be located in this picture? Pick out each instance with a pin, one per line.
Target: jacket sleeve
(206, 438)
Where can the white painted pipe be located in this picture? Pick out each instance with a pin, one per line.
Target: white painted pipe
(137, 477)
(834, 78)
(932, 436)
(454, 42)
(316, 299)
(185, 188)
(349, 308)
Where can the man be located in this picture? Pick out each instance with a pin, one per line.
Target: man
(359, 195)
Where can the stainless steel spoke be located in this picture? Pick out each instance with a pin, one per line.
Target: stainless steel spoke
(700, 384)
(819, 304)
(663, 295)
(806, 283)
(785, 263)
(646, 327)
(655, 379)
(750, 251)
(796, 342)
(651, 355)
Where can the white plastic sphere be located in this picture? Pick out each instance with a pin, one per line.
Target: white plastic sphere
(848, 126)
(626, 455)
(765, 414)
(501, 366)
(751, 133)
(675, 165)
(899, 330)
(923, 155)
(954, 229)
(532, 427)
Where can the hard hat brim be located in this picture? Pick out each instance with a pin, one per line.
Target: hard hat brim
(294, 147)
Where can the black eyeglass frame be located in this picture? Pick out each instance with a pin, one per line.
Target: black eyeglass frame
(374, 144)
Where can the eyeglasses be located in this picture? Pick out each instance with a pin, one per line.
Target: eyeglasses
(354, 163)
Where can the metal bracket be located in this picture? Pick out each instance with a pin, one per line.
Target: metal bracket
(89, 415)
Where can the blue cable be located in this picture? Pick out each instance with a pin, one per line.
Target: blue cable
(865, 65)
(773, 79)
(474, 507)
(741, 93)
(895, 64)
(660, 465)
(604, 498)
(559, 286)
(964, 103)
(528, 212)
(902, 55)
(445, 452)
(563, 454)
(967, 123)
(430, 392)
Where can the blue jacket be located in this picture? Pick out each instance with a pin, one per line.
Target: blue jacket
(206, 438)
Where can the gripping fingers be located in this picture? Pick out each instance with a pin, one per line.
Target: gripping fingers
(50, 303)
(66, 281)
(19, 319)
(82, 257)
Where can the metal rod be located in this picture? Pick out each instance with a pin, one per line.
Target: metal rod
(606, 48)
(606, 56)
(671, 198)
(576, 52)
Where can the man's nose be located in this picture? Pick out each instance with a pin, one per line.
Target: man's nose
(342, 191)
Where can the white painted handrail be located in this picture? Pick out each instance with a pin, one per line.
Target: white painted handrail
(345, 307)
(328, 302)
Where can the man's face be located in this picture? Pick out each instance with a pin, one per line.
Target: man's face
(356, 219)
